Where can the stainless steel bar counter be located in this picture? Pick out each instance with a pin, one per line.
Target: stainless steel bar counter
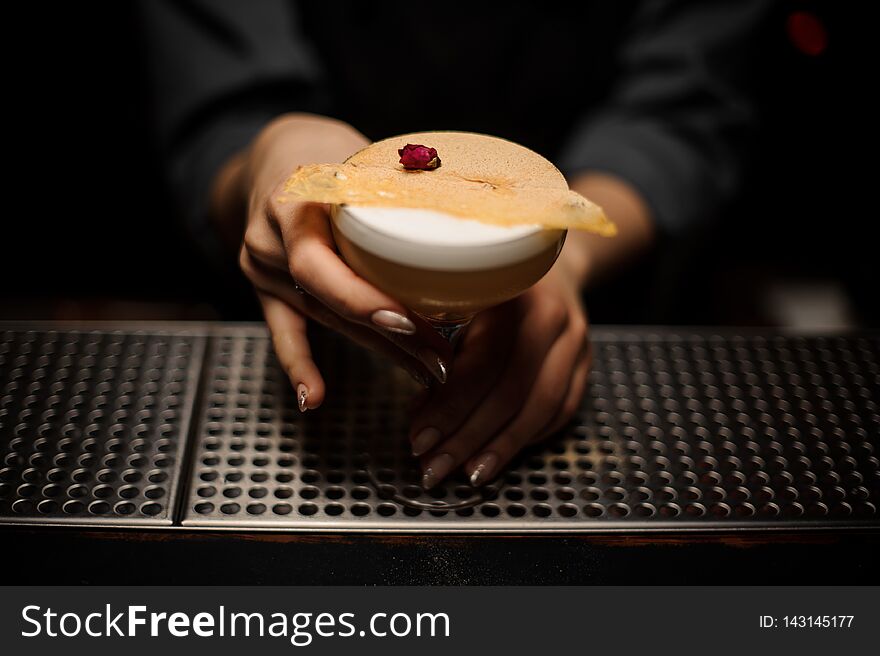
(180, 447)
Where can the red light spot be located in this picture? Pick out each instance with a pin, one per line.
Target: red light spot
(807, 33)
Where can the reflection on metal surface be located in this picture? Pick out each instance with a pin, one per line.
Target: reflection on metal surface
(679, 431)
(93, 425)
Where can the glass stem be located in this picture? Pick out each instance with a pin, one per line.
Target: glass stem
(450, 330)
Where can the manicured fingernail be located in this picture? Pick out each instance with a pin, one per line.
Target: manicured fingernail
(437, 470)
(396, 323)
(434, 363)
(485, 469)
(302, 396)
(424, 440)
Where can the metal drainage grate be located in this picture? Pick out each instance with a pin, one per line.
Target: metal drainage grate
(93, 425)
(678, 431)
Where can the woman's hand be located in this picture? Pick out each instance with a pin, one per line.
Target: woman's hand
(520, 371)
(289, 255)
(522, 367)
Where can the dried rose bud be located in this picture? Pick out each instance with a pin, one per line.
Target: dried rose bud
(414, 156)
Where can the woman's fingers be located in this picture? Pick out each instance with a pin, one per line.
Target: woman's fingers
(544, 319)
(479, 361)
(270, 282)
(544, 405)
(316, 267)
(576, 389)
(288, 329)
(295, 240)
(427, 346)
(262, 241)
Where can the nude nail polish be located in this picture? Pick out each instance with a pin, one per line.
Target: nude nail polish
(393, 321)
(302, 396)
(484, 469)
(438, 469)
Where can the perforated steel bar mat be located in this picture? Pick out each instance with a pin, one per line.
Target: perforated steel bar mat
(678, 431)
(93, 424)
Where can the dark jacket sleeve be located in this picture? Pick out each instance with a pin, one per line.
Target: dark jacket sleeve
(220, 70)
(676, 121)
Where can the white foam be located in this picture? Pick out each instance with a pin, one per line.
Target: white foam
(435, 240)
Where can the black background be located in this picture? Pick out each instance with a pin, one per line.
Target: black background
(87, 217)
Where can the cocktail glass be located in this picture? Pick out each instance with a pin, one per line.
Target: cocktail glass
(443, 268)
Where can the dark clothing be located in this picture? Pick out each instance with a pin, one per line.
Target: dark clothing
(654, 91)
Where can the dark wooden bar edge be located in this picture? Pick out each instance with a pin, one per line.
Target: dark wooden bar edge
(50, 555)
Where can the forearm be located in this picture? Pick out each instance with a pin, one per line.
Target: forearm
(589, 258)
(295, 139)
(252, 175)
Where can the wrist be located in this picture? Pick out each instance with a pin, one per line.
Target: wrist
(592, 257)
(574, 261)
(292, 140)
